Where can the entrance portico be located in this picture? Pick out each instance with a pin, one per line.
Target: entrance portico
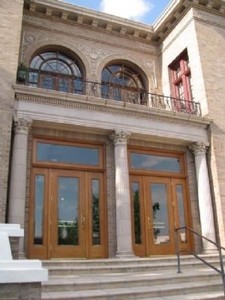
(120, 138)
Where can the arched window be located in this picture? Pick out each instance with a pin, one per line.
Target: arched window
(54, 70)
(120, 82)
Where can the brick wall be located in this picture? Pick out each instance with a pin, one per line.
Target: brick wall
(210, 29)
(10, 28)
(203, 35)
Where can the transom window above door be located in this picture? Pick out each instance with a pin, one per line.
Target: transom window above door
(54, 70)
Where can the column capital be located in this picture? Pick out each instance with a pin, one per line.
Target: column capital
(120, 137)
(22, 125)
(199, 148)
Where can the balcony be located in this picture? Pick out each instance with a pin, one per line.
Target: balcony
(112, 92)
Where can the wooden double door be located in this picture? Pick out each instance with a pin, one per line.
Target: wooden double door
(67, 215)
(159, 205)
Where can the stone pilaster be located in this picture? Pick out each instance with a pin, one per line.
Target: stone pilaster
(204, 195)
(17, 193)
(123, 209)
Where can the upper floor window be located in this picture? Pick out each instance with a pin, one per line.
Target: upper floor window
(120, 82)
(54, 70)
(181, 79)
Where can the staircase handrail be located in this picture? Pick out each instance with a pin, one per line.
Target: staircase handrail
(218, 246)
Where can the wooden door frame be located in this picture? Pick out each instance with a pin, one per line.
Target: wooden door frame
(46, 250)
(145, 248)
(152, 248)
(56, 250)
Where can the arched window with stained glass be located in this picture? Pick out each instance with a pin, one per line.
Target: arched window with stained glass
(54, 70)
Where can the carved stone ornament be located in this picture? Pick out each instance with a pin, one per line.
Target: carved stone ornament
(28, 40)
(120, 137)
(22, 125)
(199, 148)
(93, 55)
(151, 66)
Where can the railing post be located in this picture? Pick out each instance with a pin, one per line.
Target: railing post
(222, 268)
(177, 250)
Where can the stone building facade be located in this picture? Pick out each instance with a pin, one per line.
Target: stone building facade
(114, 136)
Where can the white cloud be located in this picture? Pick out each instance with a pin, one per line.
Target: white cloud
(129, 9)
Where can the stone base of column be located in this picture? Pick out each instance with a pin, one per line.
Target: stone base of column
(122, 254)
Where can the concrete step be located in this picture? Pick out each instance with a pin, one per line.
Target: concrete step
(77, 267)
(199, 296)
(142, 292)
(124, 280)
(139, 278)
(121, 261)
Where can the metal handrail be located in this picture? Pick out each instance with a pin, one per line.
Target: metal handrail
(109, 91)
(218, 246)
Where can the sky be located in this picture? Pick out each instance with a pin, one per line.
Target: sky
(145, 11)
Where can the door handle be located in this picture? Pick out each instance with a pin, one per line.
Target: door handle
(83, 222)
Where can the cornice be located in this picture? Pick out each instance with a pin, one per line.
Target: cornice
(84, 102)
(177, 9)
(80, 16)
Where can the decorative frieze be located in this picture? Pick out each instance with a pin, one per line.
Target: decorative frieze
(106, 106)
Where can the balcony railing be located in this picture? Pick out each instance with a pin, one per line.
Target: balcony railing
(113, 92)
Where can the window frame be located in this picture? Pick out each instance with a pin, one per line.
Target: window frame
(180, 75)
(66, 165)
(71, 77)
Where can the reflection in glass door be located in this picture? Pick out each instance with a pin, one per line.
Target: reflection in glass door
(67, 214)
(68, 211)
(159, 216)
(159, 212)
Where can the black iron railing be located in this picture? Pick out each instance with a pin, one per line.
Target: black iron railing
(218, 247)
(70, 84)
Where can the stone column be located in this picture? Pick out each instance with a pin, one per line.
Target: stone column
(17, 192)
(204, 196)
(123, 209)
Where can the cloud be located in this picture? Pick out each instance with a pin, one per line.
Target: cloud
(129, 9)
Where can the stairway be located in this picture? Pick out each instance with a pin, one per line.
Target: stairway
(140, 278)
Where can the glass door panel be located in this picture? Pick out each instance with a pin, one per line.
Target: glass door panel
(96, 216)
(67, 214)
(68, 211)
(159, 216)
(181, 215)
(159, 211)
(137, 213)
(181, 212)
(38, 233)
(95, 191)
(39, 209)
